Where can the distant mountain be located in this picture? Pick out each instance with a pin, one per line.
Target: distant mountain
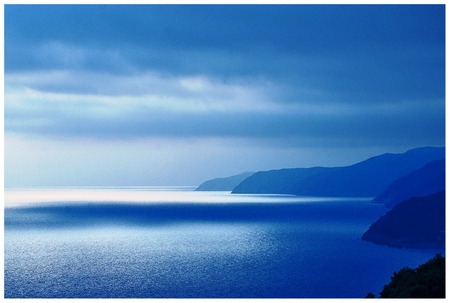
(364, 179)
(424, 181)
(415, 223)
(223, 184)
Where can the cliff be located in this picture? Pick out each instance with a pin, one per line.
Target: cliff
(418, 222)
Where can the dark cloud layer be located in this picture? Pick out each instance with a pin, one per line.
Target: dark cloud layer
(149, 36)
(292, 28)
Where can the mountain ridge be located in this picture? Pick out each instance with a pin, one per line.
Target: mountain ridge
(367, 178)
(223, 184)
(424, 181)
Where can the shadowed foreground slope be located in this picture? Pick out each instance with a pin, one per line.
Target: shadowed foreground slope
(426, 281)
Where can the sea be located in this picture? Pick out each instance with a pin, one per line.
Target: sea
(175, 242)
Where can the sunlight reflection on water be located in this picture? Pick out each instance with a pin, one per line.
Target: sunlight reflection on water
(142, 262)
(146, 194)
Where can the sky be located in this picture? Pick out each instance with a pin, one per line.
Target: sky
(136, 95)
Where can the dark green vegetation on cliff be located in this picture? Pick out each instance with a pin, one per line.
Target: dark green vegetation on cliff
(415, 223)
(426, 281)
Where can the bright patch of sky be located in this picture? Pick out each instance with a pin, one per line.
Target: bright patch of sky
(176, 94)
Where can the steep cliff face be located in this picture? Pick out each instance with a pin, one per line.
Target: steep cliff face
(425, 181)
(418, 222)
(364, 179)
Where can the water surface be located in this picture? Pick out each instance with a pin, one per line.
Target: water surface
(177, 243)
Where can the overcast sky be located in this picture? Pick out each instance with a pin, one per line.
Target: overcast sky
(176, 95)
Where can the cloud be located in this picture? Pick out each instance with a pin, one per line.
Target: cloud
(333, 47)
(151, 105)
(267, 82)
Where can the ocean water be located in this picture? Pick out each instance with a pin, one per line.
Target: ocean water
(146, 242)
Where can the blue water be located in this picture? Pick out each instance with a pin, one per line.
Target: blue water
(184, 244)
